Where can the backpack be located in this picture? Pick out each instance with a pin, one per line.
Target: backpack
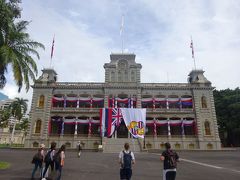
(127, 160)
(37, 157)
(171, 159)
(57, 158)
(47, 158)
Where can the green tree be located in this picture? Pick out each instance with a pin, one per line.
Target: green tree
(16, 47)
(227, 104)
(5, 115)
(9, 11)
(17, 109)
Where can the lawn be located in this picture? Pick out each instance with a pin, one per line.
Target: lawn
(4, 165)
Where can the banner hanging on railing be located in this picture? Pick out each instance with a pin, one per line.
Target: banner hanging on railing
(134, 119)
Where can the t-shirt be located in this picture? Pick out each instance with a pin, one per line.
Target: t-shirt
(166, 164)
(52, 154)
(127, 152)
(62, 155)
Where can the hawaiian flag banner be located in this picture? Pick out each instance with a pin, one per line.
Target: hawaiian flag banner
(135, 120)
(186, 101)
(110, 120)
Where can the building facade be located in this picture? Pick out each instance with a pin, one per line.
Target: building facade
(180, 113)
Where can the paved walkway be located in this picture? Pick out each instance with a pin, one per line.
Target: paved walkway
(99, 166)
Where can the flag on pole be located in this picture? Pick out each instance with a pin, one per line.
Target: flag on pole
(122, 24)
(52, 47)
(191, 46)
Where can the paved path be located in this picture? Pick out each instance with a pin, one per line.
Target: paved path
(99, 166)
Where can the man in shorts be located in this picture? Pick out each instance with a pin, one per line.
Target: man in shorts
(126, 159)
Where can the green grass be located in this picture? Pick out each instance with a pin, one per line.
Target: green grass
(4, 165)
(13, 145)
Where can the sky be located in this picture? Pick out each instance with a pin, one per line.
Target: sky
(157, 31)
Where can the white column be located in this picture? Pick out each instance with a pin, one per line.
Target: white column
(154, 127)
(182, 126)
(78, 102)
(167, 103)
(180, 101)
(76, 127)
(169, 127)
(62, 130)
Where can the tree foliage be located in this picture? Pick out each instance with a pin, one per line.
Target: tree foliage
(227, 104)
(18, 108)
(16, 47)
(5, 115)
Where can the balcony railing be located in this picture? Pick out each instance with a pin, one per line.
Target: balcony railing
(73, 109)
(170, 110)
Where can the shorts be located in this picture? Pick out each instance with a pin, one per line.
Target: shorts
(126, 173)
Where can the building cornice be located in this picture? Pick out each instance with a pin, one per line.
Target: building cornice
(129, 85)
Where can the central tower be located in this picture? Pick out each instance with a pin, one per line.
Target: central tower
(122, 69)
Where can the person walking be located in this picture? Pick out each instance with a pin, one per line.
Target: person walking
(49, 159)
(79, 148)
(38, 161)
(170, 159)
(126, 159)
(59, 158)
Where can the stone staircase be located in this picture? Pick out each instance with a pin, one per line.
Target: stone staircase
(112, 145)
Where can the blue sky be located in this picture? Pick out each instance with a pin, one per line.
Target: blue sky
(157, 31)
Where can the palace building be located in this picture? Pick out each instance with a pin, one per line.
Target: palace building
(180, 113)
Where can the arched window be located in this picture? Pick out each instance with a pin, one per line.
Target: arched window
(35, 144)
(38, 126)
(120, 76)
(112, 76)
(41, 101)
(132, 76)
(207, 128)
(204, 102)
(126, 76)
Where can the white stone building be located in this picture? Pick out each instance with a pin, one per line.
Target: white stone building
(180, 113)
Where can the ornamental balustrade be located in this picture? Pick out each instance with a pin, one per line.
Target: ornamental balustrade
(69, 126)
(156, 104)
(171, 127)
(167, 103)
(162, 127)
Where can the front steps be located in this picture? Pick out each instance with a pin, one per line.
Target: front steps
(112, 145)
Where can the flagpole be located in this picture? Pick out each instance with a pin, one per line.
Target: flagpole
(121, 33)
(52, 51)
(193, 56)
(122, 44)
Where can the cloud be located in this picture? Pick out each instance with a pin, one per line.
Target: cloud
(86, 32)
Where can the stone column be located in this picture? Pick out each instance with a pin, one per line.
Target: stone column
(182, 127)
(180, 101)
(76, 128)
(139, 98)
(62, 130)
(106, 99)
(169, 128)
(65, 101)
(154, 128)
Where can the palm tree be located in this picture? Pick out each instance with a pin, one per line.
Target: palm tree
(17, 109)
(16, 50)
(5, 115)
